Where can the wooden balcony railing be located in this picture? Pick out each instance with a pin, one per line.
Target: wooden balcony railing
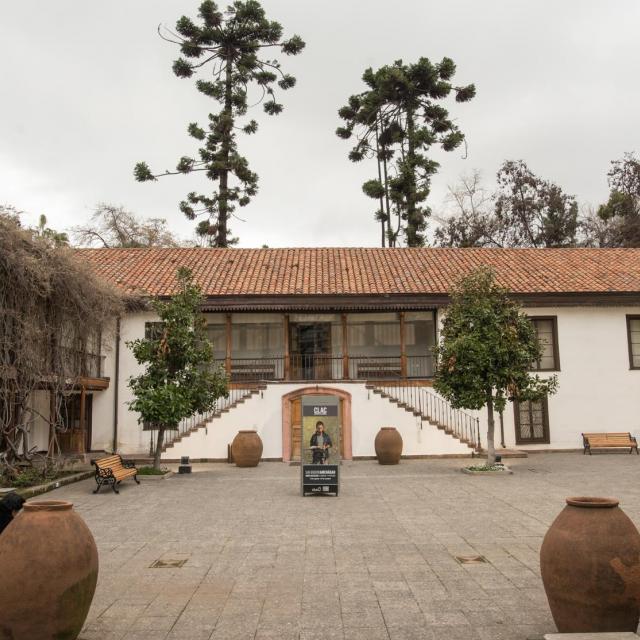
(325, 367)
(83, 364)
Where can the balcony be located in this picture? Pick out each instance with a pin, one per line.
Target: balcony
(321, 367)
(83, 364)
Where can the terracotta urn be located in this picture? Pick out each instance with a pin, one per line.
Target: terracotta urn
(590, 564)
(388, 445)
(49, 569)
(246, 448)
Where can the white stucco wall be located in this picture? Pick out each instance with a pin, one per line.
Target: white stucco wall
(597, 392)
(263, 412)
(103, 401)
(39, 420)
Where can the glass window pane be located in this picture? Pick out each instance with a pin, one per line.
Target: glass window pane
(544, 329)
(634, 341)
(256, 340)
(217, 334)
(374, 338)
(532, 421)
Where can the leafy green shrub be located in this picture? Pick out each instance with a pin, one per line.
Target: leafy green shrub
(29, 478)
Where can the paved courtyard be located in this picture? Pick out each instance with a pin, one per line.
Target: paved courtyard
(379, 562)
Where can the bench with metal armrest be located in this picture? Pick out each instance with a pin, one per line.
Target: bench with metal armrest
(112, 470)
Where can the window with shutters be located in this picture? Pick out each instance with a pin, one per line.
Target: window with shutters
(532, 421)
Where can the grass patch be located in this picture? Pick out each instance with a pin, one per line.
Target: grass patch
(152, 471)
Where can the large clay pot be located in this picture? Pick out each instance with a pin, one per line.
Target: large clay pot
(590, 563)
(388, 444)
(49, 570)
(246, 449)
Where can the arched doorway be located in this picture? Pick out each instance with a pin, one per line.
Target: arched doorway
(292, 420)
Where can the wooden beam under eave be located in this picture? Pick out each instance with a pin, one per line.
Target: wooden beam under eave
(345, 348)
(93, 384)
(227, 360)
(83, 407)
(287, 359)
(403, 347)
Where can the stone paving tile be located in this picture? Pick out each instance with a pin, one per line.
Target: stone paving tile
(377, 563)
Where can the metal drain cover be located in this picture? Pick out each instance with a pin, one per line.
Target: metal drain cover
(168, 564)
(471, 559)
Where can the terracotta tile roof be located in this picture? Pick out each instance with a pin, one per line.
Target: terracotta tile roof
(352, 271)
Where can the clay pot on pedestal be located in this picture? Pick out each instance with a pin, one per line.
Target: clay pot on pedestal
(246, 449)
(49, 566)
(590, 564)
(388, 444)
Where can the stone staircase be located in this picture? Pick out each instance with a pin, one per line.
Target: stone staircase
(199, 421)
(423, 403)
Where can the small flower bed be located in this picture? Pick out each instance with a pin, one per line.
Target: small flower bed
(487, 467)
(152, 471)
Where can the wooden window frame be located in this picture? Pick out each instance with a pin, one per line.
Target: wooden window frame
(556, 348)
(546, 439)
(629, 318)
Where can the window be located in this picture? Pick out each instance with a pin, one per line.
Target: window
(547, 332)
(153, 330)
(532, 421)
(217, 335)
(633, 336)
(420, 338)
(257, 339)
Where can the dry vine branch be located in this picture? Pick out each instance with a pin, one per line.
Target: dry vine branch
(53, 313)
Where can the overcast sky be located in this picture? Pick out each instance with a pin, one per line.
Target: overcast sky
(87, 91)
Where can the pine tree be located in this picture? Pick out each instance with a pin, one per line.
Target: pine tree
(230, 46)
(397, 120)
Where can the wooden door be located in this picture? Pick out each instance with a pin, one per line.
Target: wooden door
(310, 349)
(296, 428)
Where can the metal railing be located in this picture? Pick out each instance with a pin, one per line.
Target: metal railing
(315, 366)
(320, 366)
(187, 425)
(436, 409)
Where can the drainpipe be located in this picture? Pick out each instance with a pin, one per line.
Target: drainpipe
(502, 431)
(115, 391)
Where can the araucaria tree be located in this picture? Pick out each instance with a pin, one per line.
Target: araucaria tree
(397, 120)
(178, 380)
(486, 350)
(230, 46)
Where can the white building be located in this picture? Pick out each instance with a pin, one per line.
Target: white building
(359, 324)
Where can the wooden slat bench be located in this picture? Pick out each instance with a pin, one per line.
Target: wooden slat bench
(112, 471)
(253, 371)
(609, 441)
(379, 370)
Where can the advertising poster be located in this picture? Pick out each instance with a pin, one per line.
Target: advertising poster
(320, 414)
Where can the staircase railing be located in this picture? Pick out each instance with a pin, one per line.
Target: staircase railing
(434, 408)
(197, 419)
